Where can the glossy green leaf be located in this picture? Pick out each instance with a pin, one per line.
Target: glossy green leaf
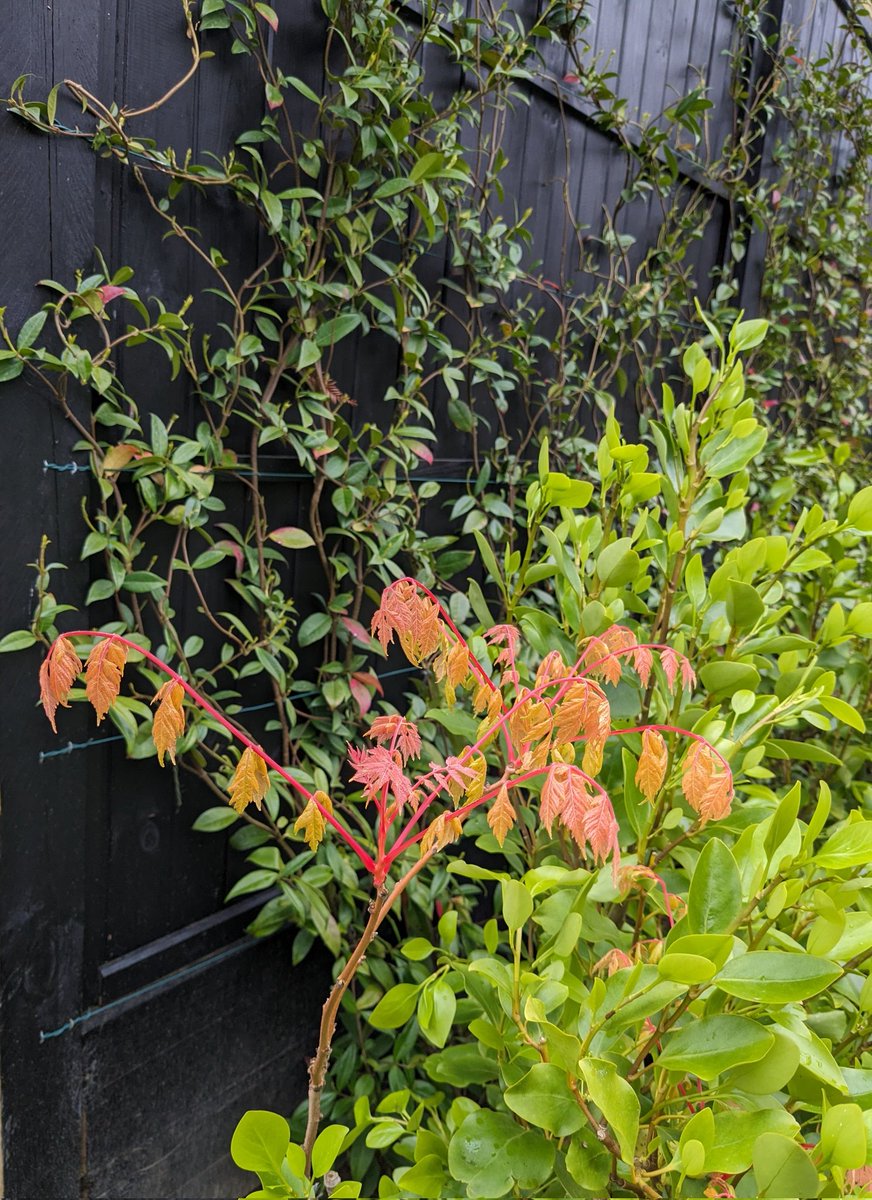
(19, 639)
(517, 904)
(843, 1136)
(736, 1133)
(714, 900)
(775, 1069)
(686, 968)
(260, 1141)
(617, 564)
(395, 1007)
(727, 676)
(291, 538)
(850, 846)
(214, 819)
(776, 977)
(542, 1097)
(744, 605)
(712, 1045)
(489, 1152)
(616, 1100)
(783, 1169)
(326, 1149)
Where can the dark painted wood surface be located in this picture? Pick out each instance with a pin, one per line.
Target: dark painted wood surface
(108, 900)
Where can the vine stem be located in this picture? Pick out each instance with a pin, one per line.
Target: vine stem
(352, 842)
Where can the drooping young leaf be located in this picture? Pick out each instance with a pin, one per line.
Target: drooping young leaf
(454, 776)
(399, 732)
(412, 616)
(250, 782)
(707, 783)
(653, 763)
(103, 673)
(475, 786)
(56, 676)
(583, 809)
(169, 720)
(311, 822)
(441, 832)
(530, 722)
(603, 655)
(501, 815)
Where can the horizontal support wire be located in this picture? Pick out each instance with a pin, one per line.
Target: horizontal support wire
(71, 747)
(74, 468)
(155, 985)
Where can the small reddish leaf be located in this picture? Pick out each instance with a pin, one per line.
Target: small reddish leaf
(269, 15)
(110, 292)
(371, 681)
(357, 631)
(423, 452)
(235, 551)
(361, 694)
(119, 456)
(613, 960)
(291, 538)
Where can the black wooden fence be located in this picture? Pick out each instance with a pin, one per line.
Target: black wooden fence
(138, 1019)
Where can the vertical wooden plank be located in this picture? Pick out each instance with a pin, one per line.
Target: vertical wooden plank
(47, 197)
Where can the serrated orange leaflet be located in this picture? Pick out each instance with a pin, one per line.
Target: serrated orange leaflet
(457, 664)
(56, 676)
(103, 674)
(501, 815)
(250, 782)
(475, 786)
(412, 616)
(169, 720)
(551, 668)
(643, 661)
(311, 824)
(587, 815)
(670, 663)
(569, 712)
(597, 716)
(537, 721)
(311, 821)
(653, 763)
(441, 831)
(707, 784)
